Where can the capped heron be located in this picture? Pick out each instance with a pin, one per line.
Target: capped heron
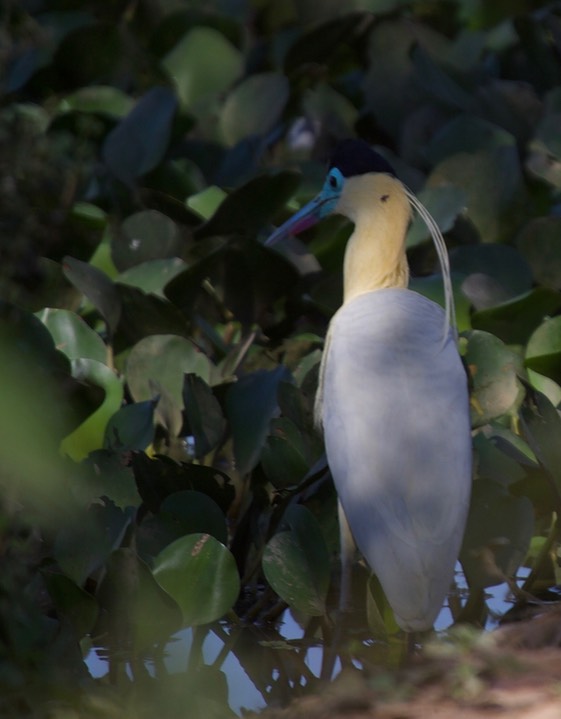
(392, 396)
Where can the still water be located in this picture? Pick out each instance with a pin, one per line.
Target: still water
(249, 690)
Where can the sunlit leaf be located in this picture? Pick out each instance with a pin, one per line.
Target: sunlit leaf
(90, 434)
(72, 335)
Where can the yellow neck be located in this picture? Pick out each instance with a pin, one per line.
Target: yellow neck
(375, 255)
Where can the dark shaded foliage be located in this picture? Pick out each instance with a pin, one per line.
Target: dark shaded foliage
(159, 463)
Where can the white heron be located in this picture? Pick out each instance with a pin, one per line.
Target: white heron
(392, 396)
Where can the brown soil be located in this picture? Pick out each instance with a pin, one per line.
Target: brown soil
(513, 673)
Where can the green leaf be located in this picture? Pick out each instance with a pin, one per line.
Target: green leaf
(493, 369)
(284, 454)
(431, 286)
(324, 105)
(318, 46)
(251, 207)
(72, 335)
(436, 82)
(144, 315)
(543, 352)
(540, 245)
(203, 414)
(493, 185)
(381, 619)
(157, 365)
(546, 386)
(146, 235)
(97, 287)
(90, 434)
(296, 562)
(192, 512)
(151, 277)
(250, 405)
(136, 611)
(201, 575)
(138, 143)
(444, 203)
(131, 428)
(495, 273)
(71, 602)
(254, 106)
(541, 426)
(157, 478)
(99, 99)
(498, 533)
(515, 320)
(466, 133)
(108, 475)
(492, 463)
(95, 533)
(202, 64)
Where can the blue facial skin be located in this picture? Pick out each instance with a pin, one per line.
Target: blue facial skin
(330, 192)
(321, 206)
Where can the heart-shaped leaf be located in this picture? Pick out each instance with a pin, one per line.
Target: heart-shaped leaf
(296, 562)
(201, 575)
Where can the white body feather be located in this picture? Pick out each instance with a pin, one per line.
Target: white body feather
(393, 402)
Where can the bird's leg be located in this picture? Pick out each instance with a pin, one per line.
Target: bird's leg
(347, 550)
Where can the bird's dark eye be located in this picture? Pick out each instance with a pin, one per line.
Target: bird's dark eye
(333, 182)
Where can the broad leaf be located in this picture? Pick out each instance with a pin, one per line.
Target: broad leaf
(139, 141)
(543, 352)
(201, 575)
(493, 369)
(204, 418)
(498, 533)
(296, 562)
(250, 405)
(72, 335)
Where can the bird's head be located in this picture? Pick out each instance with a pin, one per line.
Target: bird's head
(362, 186)
(354, 171)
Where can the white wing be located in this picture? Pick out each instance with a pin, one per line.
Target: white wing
(394, 406)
